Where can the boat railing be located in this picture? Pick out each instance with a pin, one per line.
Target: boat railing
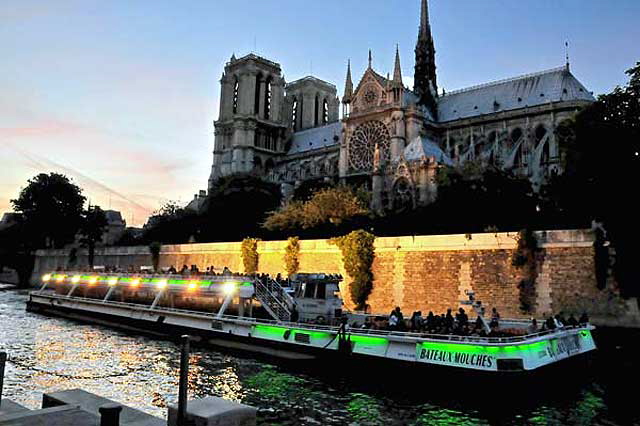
(330, 328)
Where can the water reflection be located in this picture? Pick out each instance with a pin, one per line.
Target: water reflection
(49, 354)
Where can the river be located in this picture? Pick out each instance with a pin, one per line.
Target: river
(48, 354)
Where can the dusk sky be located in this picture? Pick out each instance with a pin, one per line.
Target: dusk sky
(121, 95)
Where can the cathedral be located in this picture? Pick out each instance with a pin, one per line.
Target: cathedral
(388, 138)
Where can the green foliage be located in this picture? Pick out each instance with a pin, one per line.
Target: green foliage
(601, 154)
(154, 249)
(249, 251)
(51, 208)
(327, 206)
(358, 254)
(525, 259)
(526, 250)
(291, 255)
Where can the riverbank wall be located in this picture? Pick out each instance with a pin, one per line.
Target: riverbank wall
(426, 273)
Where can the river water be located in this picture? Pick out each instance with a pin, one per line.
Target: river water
(49, 354)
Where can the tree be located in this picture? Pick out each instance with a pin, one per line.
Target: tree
(602, 158)
(330, 206)
(94, 223)
(51, 208)
(236, 207)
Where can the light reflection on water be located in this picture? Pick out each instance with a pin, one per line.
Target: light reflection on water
(49, 354)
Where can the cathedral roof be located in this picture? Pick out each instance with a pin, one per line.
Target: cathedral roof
(316, 138)
(530, 90)
(423, 147)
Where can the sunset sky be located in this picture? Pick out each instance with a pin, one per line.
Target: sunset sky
(121, 95)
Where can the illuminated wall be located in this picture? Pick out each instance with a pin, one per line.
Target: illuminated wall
(418, 273)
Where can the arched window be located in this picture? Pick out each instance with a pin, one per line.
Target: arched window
(325, 112)
(256, 105)
(316, 111)
(267, 99)
(518, 160)
(516, 135)
(257, 164)
(540, 133)
(294, 114)
(236, 90)
(546, 155)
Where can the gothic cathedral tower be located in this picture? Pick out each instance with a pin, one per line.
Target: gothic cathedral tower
(251, 129)
(425, 82)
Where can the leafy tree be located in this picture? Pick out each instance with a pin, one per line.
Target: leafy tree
(332, 206)
(51, 207)
(602, 159)
(93, 226)
(236, 207)
(358, 254)
(171, 224)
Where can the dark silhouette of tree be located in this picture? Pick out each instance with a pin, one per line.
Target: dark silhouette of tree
(602, 163)
(51, 208)
(93, 226)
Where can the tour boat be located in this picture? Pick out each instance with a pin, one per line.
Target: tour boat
(199, 305)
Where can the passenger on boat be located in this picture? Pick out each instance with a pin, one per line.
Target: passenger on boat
(402, 326)
(448, 322)
(584, 319)
(295, 316)
(393, 321)
(462, 319)
(416, 321)
(431, 319)
(184, 270)
(572, 321)
(557, 321)
(550, 323)
(172, 270)
(226, 271)
(533, 328)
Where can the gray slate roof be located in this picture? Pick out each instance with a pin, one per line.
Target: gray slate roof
(530, 90)
(422, 146)
(316, 138)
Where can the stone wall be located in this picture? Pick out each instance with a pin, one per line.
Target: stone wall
(420, 273)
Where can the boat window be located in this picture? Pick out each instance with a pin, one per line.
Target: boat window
(309, 290)
(321, 291)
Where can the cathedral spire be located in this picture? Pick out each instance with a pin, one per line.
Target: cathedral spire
(348, 85)
(425, 26)
(370, 58)
(425, 80)
(397, 70)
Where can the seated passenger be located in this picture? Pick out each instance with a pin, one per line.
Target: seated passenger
(393, 321)
(572, 321)
(533, 328)
(584, 319)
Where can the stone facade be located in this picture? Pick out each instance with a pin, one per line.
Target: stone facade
(421, 273)
(390, 139)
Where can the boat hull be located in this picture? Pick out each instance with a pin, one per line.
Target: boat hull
(295, 342)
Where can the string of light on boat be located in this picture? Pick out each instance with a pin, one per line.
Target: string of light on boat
(226, 285)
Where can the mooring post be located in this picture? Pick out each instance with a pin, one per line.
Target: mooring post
(110, 414)
(3, 360)
(182, 387)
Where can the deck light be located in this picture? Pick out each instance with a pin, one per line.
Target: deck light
(193, 285)
(162, 284)
(46, 278)
(75, 279)
(135, 282)
(60, 278)
(229, 288)
(113, 281)
(93, 280)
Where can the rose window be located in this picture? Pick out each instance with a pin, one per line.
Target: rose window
(362, 145)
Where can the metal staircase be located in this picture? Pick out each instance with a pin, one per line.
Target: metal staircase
(274, 299)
